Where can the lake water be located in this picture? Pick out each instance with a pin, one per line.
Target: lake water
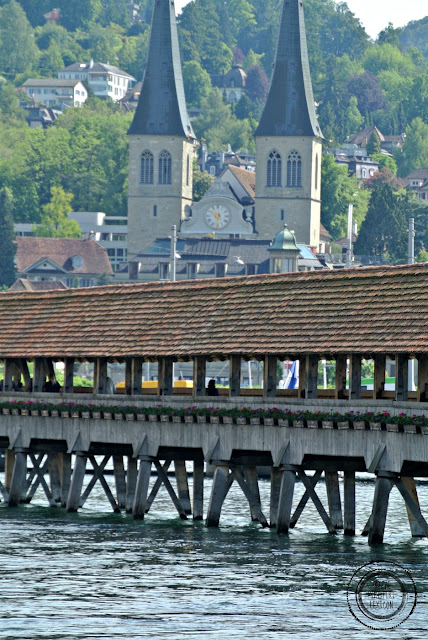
(100, 575)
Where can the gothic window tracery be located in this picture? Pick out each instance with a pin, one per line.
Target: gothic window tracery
(164, 167)
(294, 170)
(146, 168)
(274, 169)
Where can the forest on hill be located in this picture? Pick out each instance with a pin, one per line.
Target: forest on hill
(356, 82)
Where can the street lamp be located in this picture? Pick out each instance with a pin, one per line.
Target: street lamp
(174, 255)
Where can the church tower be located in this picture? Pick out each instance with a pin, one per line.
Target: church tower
(288, 140)
(161, 139)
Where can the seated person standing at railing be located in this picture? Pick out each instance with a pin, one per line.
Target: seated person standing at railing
(212, 389)
(52, 385)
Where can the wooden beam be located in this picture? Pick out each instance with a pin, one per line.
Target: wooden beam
(311, 384)
(137, 376)
(340, 388)
(317, 502)
(235, 376)
(218, 494)
(269, 376)
(199, 375)
(68, 375)
(407, 488)
(333, 497)
(39, 376)
(100, 376)
(9, 368)
(355, 377)
(198, 490)
(422, 378)
(401, 377)
(379, 376)
(165, 376)
(304, 499)
(349, 503)
(128, 376)
(379, 510)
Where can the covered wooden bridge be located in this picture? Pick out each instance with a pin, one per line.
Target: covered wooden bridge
(345, 316)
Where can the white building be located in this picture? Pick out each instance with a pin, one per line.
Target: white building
(105, 80)
(55, 92)
(111, 232)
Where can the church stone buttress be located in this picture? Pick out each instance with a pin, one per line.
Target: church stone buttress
(289, 140)
(161, 140)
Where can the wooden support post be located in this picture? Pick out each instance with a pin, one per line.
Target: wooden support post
(165, 376)
(98, 469)
(100, 376)
(157, 485)
(285, 500)
(301, 393)
(311, 385)
(349, 503)
(379, 376)
(253, 497)
(235, 376)
(182, 485)
(99, 475)
(422, 378)
(65, 476)
(73, 498)
(269, 376)
(137, 376)
(416, 527)
(275, 487)
(68, 375)
(49, 367)
(380, 509)
(141, 490)
(9, 367)
(333, 497)
(131, 483)
(168, 486)
(198, 490)
(40, 472)
(25, 373)
(18, 485)
(317, 502)
(355, 377)
(340, 389)
(8, 468)
(199, 375)
(401, 377)
(120, 481)
(251, 478)
(54, 475)
(128, 376)
(218, 494)
(39, 377)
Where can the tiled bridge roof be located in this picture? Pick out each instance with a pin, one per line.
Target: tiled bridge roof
(365, 311)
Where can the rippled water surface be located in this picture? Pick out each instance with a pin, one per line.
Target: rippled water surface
(95, 575)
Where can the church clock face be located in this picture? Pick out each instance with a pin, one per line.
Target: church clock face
(217, 216)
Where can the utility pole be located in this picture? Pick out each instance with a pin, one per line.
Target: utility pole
(411, 260)
(173, 251)
(349, 237)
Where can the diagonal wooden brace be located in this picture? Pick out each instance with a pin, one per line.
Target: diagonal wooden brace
(40, 475)
(304, 499)
(164, 478)
(317, 502)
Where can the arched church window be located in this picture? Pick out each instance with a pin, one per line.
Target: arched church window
(165, 167)
(294, 170)
(274, 170)
(146, 168)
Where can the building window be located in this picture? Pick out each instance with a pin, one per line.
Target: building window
(220, 270)
(164, 270)
(165, 168)
(146, 175)
(250, 269)
(294, 170)
(155, 210)
(274, 170)
(282, 214)
(212, 170)
(364, 173)
(192, 269)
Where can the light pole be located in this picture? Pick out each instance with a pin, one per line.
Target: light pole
(349, 237)
(411, 260)
(174, 255)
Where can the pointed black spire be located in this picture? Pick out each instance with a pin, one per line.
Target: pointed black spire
(290, 109)
(162, 108)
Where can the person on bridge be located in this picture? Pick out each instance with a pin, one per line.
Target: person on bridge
(52, 385)
(212, 389)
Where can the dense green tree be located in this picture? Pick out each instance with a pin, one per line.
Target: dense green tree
(415, 147)
(383, 232)
(389, 35)
(78, 13)
(9, 104)
(202, 181)
(54, 221)
(51, 60)
(373, 145)
(353, 120)
(197, 83)
(338, 191)
(7, 237)
(18, 51)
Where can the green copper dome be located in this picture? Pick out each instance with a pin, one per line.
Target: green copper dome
(284, 241)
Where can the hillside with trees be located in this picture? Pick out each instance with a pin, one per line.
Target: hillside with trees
(357, 82)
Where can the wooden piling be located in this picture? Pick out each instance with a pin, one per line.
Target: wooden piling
(141, 490)
(73, 498)
(182, 485)
(198, 490)
(120, 481)
(333, 497)
(8, 468)
(285, 501)
(64, 461)
(131, 483)
(54, 476)
(349, 503)
(218, 494)
(251, 478)
(19, 474)
(275, 487)
(380, 509)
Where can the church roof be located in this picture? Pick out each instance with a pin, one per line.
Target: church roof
(162, 108)
(290, 108)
